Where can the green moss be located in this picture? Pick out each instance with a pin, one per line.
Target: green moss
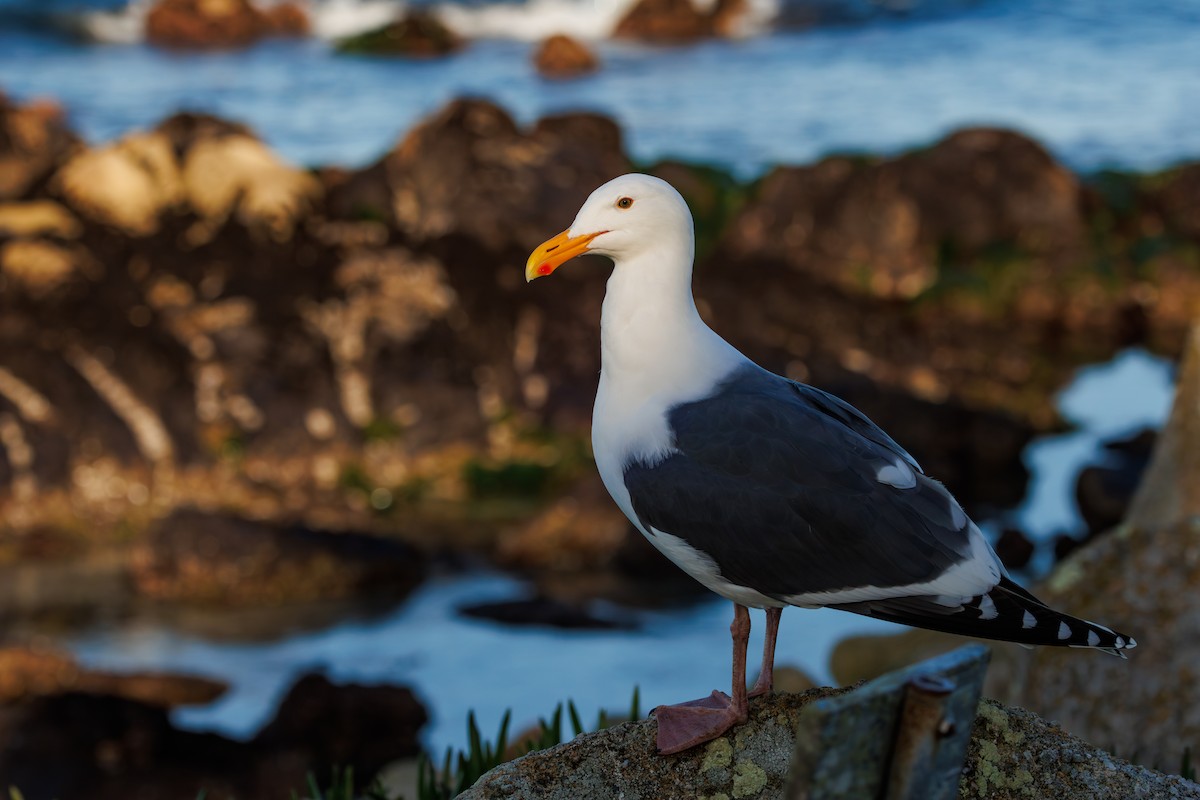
(749, 779)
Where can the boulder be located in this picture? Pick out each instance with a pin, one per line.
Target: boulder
(287, 19)
(1012, 754)
(418, 34)
(470, 172)
(34, 141)
(1175, 197)
(664, 22)
(223, 560)
(889, 228)
(560, 56)
(204, 23)
(1103, 491)
(1142, 578)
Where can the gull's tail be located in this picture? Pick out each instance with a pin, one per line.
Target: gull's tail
(1006, 612)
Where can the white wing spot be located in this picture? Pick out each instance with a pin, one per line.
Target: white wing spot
(1094, 638)
(1064, 631)
(987, 608)
(897, 474)
(1028, 621)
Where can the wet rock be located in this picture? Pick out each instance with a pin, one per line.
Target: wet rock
(34, 141)
(664, 21)
(27, 672)
(77, 745)
(889, 228)
(418, 34)
(220, 23)
(1012, 754)
(349, 724)
(561, 56)
(218, 559)
(544, 612)
(1014, 548)
(1103, 491)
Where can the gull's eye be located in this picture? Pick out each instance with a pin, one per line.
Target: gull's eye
(624, 203)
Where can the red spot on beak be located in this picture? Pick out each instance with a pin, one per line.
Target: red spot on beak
(545, 269)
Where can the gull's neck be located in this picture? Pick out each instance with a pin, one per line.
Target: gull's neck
(652, 338)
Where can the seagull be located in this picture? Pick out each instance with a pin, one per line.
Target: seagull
(767, 491)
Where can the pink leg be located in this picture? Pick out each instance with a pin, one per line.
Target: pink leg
(766, 675)
(688, 724)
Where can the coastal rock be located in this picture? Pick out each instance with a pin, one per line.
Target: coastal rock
(85, 746)
(34, 141)
(216, 559)
(469, 171)
(418, 34)
(367, 727)
(1176, 198)
(203, 23)
(220, 23)
(1012, 754)
(1103, 491)
(27, 672)
(1142, 579)
(127, 185)
(560, 56)
(888, 228)
(664, 22)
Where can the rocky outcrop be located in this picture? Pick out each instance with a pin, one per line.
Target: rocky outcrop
(418, 34)
(221, 23)
(560, 56)
(1012, 754)
(34, 141)
(216, 559)
(889, 228)
(470, 172)
(75, 745)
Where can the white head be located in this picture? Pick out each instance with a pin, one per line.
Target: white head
(624, 218)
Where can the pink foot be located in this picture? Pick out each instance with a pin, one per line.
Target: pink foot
(686, 725)
(760, 688)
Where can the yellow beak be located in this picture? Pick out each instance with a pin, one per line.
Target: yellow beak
(553, 253)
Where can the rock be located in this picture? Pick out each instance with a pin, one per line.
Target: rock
(1014, 548)
(1103, 491)
(203, 23)
(39, 267)
(217, 559)
(1170, 488)
(220, 23)
(38, 218)
(544, 612)
(1175, 198)
(418, 34)
(1012, 754)
(352, 725)
(664, 21)
(127, 185)
(287, 19)
(470, 172)
(34, 141)
(560, 56)
(81, 746)
(1140, 578)
(887, 228)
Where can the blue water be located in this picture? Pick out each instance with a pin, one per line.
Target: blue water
(1102, 83)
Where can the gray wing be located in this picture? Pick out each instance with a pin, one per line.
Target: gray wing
(791, 491)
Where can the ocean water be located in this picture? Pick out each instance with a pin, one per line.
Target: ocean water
(1103, 83)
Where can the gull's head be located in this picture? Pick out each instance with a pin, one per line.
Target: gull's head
(624, 218)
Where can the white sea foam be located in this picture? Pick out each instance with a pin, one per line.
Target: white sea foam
(336, 19)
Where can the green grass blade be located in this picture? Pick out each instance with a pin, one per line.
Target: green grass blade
(576, 723)
(635, 705)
